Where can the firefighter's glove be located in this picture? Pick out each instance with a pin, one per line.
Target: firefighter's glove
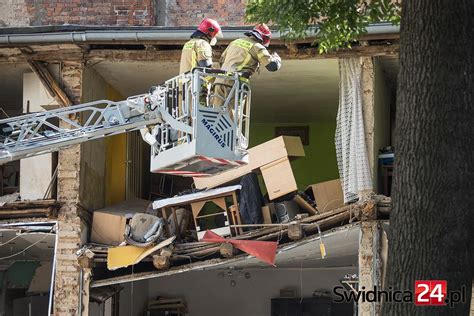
(276, 59)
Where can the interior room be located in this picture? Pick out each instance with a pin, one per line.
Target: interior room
(26, 262)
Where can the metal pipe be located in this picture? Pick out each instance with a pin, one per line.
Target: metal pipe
(53, 272)
(137, 36)
(81, 286)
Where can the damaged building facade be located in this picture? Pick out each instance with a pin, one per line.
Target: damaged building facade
(54, 246)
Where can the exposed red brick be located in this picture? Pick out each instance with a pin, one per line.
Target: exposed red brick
(138, 12)
(191, 12)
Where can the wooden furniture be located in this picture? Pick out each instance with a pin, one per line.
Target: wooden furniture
(196, 202)
(167, 306)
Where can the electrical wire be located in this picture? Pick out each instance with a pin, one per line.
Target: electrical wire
(301, 281)
(19, 235)
(30, 246)
(12, 239)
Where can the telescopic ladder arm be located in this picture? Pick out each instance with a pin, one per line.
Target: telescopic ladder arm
(38, 133)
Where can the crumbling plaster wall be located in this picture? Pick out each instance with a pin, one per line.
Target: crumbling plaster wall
(71, 219)
(187, 13)
(81, 174)
(376, 112)
(13, 13)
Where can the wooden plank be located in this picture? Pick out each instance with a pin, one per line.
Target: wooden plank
(29, 204)
(26, 213)
(166, 301)
(305, 205)
(50, 83)
(308, 52)
(311, 228)
(200, 253)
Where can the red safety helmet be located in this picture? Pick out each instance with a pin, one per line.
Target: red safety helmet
(263, 33)
(210, 27)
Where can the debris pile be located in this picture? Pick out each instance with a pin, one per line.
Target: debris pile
(219, 220)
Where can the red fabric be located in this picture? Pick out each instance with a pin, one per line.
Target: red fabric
(263, 250)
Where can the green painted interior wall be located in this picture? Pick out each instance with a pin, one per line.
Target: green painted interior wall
(19, 274)
(320, 162)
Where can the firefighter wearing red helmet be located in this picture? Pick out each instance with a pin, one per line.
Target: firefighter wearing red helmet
(197, 52)
(245, 55)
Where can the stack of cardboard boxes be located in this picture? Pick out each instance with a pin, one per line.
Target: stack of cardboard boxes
(272, 160)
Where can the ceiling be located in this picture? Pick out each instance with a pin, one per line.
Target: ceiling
(301, 91)
(13, 242)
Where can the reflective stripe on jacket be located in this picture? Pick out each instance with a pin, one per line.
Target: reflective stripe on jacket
(245, 55)
(196, 49)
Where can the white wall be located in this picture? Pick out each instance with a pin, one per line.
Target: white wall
(207, 294)
(36, 172)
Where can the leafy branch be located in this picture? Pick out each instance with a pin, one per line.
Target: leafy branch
(338, 22)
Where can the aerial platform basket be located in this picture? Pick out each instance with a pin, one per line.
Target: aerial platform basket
(215, 138)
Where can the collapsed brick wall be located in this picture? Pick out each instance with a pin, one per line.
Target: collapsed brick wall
(81, 12)
(71, 226)
(191, 12)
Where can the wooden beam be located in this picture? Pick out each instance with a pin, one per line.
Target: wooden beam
(291, 52)
(21, 205)
(49, 212)
(16, 55)
(50, 83)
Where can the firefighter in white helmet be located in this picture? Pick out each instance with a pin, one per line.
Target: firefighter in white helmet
(197, 52)
(245, 55)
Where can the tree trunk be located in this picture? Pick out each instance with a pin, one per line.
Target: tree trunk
(432, 223)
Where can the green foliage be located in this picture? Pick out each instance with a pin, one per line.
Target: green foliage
(338, 22)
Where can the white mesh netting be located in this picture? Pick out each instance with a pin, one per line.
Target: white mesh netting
(351, 149)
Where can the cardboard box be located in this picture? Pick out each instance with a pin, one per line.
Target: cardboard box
(279, 179)
(108, 224)
(259, 156)
(328, 195)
